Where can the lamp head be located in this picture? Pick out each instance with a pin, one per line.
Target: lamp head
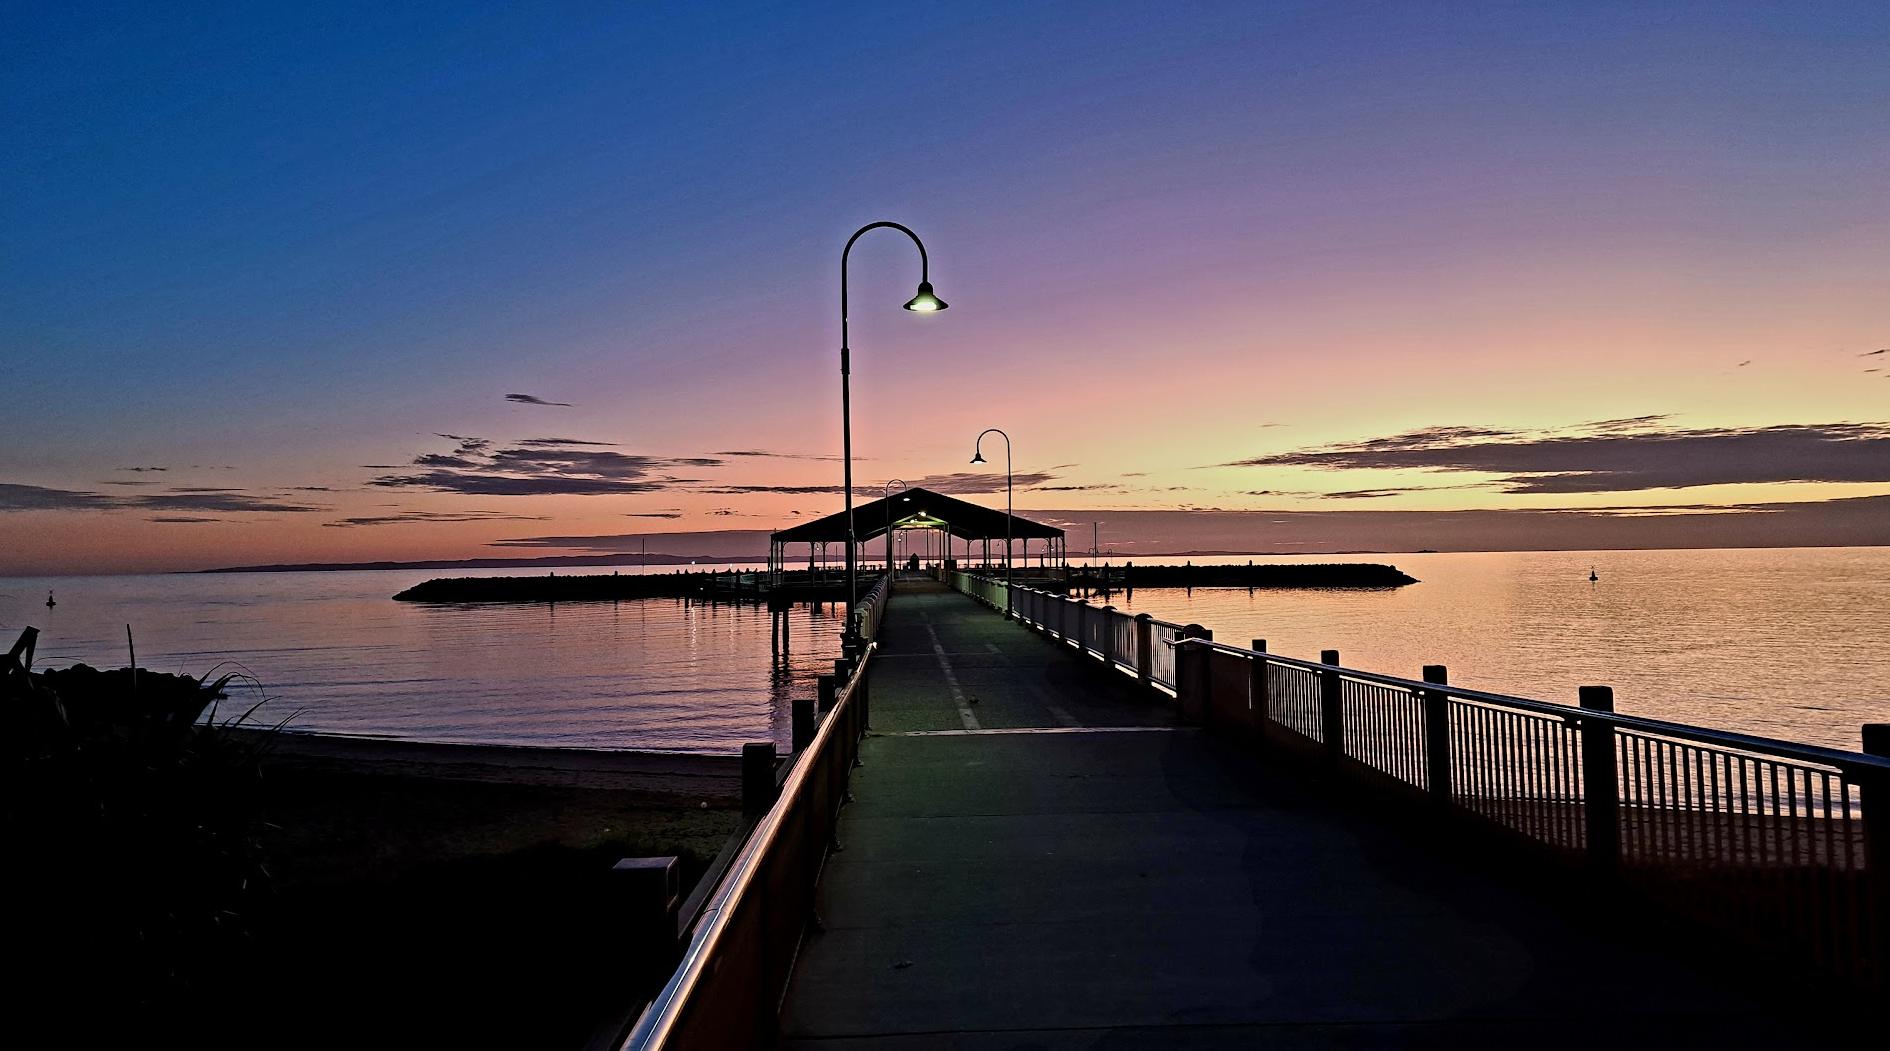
(925, 302)
(977, 457)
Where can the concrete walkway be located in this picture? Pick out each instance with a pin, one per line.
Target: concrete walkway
(1116, 881)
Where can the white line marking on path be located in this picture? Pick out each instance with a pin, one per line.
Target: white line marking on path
(958, 696)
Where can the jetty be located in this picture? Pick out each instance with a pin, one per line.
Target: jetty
(732, 585)
(939, 533)
(1013, 818)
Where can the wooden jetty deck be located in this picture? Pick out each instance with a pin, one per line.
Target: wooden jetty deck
(1037, 857)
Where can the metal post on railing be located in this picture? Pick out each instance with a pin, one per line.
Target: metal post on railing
(1259, 701)
(1601, 792)
(1437, 732)
(1332, 704)
(1144, 647)
(758, 787)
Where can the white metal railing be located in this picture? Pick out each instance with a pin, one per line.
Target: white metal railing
(1772, 838)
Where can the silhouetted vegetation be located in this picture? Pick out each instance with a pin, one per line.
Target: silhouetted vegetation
(134, 820)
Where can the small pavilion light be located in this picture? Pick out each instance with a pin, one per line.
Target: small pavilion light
(925, 302)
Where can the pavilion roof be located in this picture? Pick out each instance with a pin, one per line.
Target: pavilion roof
(916, 509)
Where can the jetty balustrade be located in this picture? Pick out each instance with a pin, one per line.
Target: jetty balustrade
(1781, 845)
(740, 948)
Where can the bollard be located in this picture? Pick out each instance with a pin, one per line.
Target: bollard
(758, 787)
(1332, 705)
(826, 687)
(1601, 792)
(1144, 647)
(803, 714)
(842, 671)
(1259, 699)
(1437, 732)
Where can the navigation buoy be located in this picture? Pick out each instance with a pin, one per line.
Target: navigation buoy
(1591, 575)
(49, 600)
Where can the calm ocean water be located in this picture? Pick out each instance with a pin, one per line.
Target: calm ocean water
(1785, 643)
(334, 652)
(1790, 643)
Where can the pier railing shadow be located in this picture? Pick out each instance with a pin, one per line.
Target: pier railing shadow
(1783, 847)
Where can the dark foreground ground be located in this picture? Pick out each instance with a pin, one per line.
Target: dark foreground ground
(414, 913)
(1038, 858)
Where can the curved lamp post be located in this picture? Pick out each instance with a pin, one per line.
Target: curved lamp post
(901, 483)
(977, 456)
(924, 302)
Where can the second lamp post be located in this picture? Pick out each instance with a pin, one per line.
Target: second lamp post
(977, 456)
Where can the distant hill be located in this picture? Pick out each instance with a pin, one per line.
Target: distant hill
(551, 561)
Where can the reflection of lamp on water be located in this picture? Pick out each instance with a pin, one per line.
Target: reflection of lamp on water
(925, 302)
(977, 456)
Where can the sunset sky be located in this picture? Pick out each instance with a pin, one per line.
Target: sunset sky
(433, 281)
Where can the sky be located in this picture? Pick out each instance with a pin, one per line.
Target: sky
(296, 283)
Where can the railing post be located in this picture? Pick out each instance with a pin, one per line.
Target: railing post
(1259, 699)
(1601, 792)
(1144, 647)
(1108, 633)
(803, 725)
(646, 894)
(1191, 679)
(1437, 732)
(758, 787)
(1332, 704)
(1082, 626)
(1876, 806)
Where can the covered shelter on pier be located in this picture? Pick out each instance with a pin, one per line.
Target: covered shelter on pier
(938, 519)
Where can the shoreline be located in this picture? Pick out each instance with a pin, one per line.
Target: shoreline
(666, 777)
